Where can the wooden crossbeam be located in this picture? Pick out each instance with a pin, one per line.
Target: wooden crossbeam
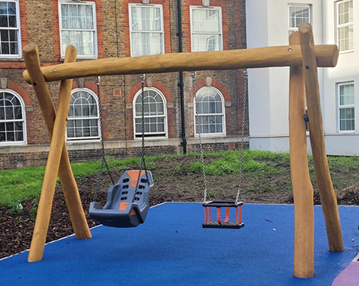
(326, 55)
(58, 161)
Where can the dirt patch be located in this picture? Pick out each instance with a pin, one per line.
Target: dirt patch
(173, 183)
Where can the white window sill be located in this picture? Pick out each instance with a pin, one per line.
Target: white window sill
(11, 144)
(346, 52)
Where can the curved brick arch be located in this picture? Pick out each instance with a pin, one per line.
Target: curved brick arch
(93, 87)
(215, 84)
(156, 84)
(20, 91)
(133, 92)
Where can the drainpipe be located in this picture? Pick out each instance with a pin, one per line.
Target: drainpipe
(180, 82)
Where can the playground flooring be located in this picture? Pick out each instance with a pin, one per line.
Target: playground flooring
(172, 248)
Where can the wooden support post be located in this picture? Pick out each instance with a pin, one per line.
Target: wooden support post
(302, 186)
(57, 153)
(69, 186)
(325, 186)
(327, 56)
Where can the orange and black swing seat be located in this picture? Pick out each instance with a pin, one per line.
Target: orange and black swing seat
(208, 223)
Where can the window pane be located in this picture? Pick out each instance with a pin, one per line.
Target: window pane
(18, 126)
(144, 44)
(70, 132)
(94, 132)
(347, 119)
(205, 43)
(18, 112)
(3, 21)
(346, 94)
(298, 15)
(205, 20)
(9, 113)
(83, 41)
(12, 21)
(9, 126)
(145, 19)
(78, 28)
(11, 8)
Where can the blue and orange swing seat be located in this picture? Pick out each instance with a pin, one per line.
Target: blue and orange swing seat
(208, 223)
(127, 201)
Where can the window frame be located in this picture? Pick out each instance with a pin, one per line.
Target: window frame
(224, 131)
(18, 23)
(150, 135)
(345, 106)
(220, 33)
(295, 29)
(130, 5)
(24, 127)
(98, 118)
(94, 30)
(338, 26)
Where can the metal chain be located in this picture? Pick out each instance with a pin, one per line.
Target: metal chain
(198, 128)
(143, 161)
(103, 162)
(245, 84)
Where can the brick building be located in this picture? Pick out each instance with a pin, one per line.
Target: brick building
(121, 28)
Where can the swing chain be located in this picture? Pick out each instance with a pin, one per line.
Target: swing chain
(143, 161)
(198, 128)
(245, 90)
(104, 161)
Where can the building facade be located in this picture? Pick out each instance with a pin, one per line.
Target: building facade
(333, 22)
(109, 108)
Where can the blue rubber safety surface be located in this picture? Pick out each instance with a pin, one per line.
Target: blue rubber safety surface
(171, 248)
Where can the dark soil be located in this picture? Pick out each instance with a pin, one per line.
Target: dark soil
(173, 183)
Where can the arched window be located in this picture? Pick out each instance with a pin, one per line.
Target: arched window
(210, 109)
(83, 119)
(12, 118)
(155, 123)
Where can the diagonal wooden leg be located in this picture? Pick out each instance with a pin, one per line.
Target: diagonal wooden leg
(58, 162)
(320, 161)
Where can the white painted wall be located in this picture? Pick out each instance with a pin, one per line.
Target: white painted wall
(267, 25)
(347, 69)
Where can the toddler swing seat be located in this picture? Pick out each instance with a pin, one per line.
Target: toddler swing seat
(208, 223)
(127, 201)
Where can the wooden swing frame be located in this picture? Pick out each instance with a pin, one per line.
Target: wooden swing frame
(303, 58)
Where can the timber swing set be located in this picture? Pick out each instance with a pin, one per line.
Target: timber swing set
(303, 58)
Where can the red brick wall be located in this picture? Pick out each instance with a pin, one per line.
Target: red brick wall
(40, 24)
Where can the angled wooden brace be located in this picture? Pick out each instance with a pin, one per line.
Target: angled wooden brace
(320, 161)
(58, 160)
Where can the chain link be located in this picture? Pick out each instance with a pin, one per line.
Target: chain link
(198, 128)
(245, 84)
(143, 161)
(103, 162)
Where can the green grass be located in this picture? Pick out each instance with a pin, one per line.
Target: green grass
(20, 184)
